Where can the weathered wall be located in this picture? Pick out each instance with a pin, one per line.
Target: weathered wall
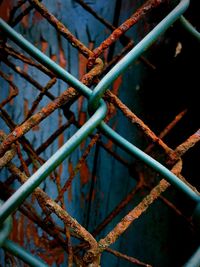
(103, 182)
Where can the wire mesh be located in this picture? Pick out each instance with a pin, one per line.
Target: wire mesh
(103, 104)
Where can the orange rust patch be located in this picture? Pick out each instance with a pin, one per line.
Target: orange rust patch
(105, 55)
(25, 19)
(21, 228)
(14, 233)
(11, 90)
(62, 59)
(25, 107)
(82, 65)
(93, 196)
(37, 17)
(80, 104)
(84, 173)
(82, 117)
(44, 46)
(54, 255)
(109, 144)
(5, 10)
(70, 170)
(60, 143)
(25, 67)
(116, 85)
(36, 128)
(54, 57)
(91, 45)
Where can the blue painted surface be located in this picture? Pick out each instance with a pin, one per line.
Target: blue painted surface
(148, 239)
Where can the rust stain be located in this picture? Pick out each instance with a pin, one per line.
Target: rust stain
(25, 19)
(84, 174)
(109, 144)
(53, 255)
(62, 59)
(25, 67)
(37, 17)
(60, 258)
(11, 90)
(25, 107)
(21, 227)
(29, 231)
(14, 233)
(60, 143)
(5, 10)
(116, 85)
(44, 46)
(80, 103)
(105, 55)
(82, 117)
(125, 26)
(91, 46)
(36, 128)
(82, 65)
(93, 195)
(54, 57)
(70, 170)
(60, 28)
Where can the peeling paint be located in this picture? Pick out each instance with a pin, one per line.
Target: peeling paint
(84, 174)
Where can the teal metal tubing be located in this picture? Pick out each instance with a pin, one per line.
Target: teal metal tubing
(16, 199)
(22, 254)
(5, 228)
(189, 28)
(15, 249)
(27, 188)
(117, 70)
(146, 42)
(194, 261)
(133, 150)
(94, 100)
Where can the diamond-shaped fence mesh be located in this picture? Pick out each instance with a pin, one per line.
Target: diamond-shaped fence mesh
(41, 173)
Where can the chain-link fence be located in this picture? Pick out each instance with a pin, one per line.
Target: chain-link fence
(32, 169)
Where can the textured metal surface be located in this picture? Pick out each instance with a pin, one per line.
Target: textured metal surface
(92, 248)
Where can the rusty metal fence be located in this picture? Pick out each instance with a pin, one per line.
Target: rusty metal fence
(101, 103)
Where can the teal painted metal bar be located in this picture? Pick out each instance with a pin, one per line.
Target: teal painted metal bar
(95, 102)
(15, 249)
(190, 28)
(56, 159)
(5, 228)
(194, 261)
(27, 188)
(117, 70)
(22, 254)
(133, 150)
(146, 42)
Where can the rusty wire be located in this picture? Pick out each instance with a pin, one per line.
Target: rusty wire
(13, 143)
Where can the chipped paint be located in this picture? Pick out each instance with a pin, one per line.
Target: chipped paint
(85, 174)
(116, 85)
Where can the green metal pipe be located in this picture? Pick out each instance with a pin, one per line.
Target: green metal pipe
(194, 261)
(146, 42)
(189, 28)
(56, 159)
(27, 188)
(133, 150)
(117, 70)
(22, 254)
(5, 228)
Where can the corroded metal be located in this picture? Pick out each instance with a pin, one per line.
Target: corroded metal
(13, 143)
